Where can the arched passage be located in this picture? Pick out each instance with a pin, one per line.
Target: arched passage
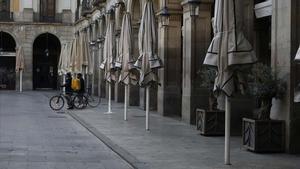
(46, 51)
(7, 61)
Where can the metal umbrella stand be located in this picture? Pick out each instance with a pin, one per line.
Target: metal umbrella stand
(229, 48)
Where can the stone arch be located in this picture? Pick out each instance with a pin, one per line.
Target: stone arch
(46, 52)
(119, 13)
(136, 11)
(7, 61)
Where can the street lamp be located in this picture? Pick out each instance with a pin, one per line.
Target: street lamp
(164, 16)
(194, 9)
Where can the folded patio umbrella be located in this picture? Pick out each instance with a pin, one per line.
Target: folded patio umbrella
(20, 59)
(125, 58)
(20, 65)
(148, 62)
(109, 55)
(229, 48)
(64, 59)
(108, 64)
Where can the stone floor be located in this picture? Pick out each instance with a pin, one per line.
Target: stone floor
(172, 144)
(34, 137)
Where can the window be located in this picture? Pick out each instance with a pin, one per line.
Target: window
(5, 14)
(47, 10)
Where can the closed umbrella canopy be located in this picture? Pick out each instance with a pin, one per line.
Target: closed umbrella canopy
(20, 59)
(64, 59)
(125, 58)
(73, 55)
(109, 57)
(229, 46)
(76, 60)
(89, 57)
(148, 61)
(298, 55)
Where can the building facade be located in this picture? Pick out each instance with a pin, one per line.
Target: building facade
(184, 34)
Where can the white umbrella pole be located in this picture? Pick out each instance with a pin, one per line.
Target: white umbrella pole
(109, 99)
(227, 130)
(147, 106)
(126, 102)
(21, 80)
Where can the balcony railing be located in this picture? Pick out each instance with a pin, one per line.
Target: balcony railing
(6, 16)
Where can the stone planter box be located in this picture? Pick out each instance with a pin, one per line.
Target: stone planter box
(263, 135)
(210, 123)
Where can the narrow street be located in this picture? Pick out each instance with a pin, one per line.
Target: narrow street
(32, 136)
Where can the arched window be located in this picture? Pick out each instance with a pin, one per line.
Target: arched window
(47, 10)
(5, 10)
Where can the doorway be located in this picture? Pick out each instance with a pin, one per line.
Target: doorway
(7, 62)
(46, 51)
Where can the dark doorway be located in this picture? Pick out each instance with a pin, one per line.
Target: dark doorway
(46, 51)
(47, 8)
(7, 62)
(5, 14)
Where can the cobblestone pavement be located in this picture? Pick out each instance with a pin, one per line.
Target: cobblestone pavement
(34, 137)
(172, 144)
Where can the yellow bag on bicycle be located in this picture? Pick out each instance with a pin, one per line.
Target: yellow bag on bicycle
(75, 85)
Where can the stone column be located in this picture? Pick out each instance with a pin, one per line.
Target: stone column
(169, 50)
(196, 39)
(285, 41)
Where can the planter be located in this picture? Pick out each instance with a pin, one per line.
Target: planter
(210, 123)
(264, 135)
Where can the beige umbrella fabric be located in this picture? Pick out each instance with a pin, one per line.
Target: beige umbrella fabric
(109, 57)
(229, 46)
(125, 58)
(20, 59)
(64, 59)
(148, 61)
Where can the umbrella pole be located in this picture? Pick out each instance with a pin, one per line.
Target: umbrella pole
(109, 99)
(227, 130)
(125, 102)
(21, 80)
(147, 106)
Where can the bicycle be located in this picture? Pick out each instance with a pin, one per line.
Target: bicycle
(57, 102)
(88, 99)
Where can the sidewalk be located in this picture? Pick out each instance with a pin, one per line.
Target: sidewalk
(171, 144)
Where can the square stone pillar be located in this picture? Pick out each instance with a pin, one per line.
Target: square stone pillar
(134, 91)
(27, 15)
(67, 16)
(170, 76)
(285, 42)
(196, 39)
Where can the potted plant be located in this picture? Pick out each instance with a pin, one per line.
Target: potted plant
(261, 134)
(209, 121)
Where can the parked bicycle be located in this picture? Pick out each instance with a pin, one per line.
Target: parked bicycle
(79, 101)
(57, 102)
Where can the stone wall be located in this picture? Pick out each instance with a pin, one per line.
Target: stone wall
(25, 34)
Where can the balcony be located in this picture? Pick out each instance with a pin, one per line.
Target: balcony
(6, 16)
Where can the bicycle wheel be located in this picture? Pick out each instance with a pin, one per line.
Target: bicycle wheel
(56, 103)
(93, 101)
(80, 102)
